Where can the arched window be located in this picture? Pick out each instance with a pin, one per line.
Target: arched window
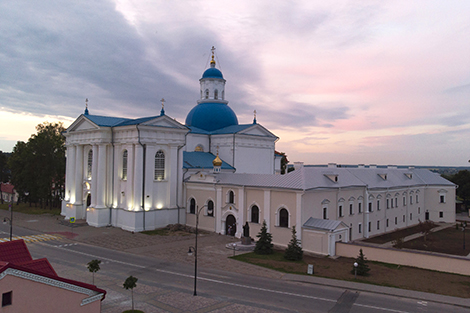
(216, 94)
(254, 214)
(231, 197)
(283, 218)
(223, 95)
(159, 165)
(124, 165)
(207, 93)
(192, 206)
(90, 164)
(210, 208)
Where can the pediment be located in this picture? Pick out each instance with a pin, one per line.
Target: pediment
(164, 121)
(257, 130)
(82, 123)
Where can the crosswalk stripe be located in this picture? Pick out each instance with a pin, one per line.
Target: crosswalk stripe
(33, 238)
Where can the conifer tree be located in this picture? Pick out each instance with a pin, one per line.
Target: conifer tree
(294, 250)
(264, 244)
(362, 267)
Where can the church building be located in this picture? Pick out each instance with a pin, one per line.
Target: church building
(145, 173)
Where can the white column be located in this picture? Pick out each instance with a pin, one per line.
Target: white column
(219, 202)
(149, 175)
(241, 211)
(94, 176)
(77, 191)
(100, 180)
(117, 179)
(69, 172)
(138, 175)
(172, 176)
(298, 215)
(128, 195)
(267, 209)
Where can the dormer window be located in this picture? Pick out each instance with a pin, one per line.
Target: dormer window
(383, 176)
(332, 177)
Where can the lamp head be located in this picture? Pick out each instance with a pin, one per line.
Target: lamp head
(355, 264)
(190, 251)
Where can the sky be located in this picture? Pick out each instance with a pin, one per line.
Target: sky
(347, 82)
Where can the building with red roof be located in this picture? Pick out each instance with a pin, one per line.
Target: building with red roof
(8, 193)
(28, 285)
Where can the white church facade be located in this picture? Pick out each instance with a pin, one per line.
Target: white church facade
(142, 174)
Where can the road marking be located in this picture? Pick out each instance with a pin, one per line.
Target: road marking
(229, 283)
(33, 238)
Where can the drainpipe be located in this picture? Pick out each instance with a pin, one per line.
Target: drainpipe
(233, 154)
(144, 147)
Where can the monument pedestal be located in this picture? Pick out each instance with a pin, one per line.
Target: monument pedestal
(246, 241)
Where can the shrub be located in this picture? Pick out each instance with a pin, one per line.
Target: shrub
(294, 250)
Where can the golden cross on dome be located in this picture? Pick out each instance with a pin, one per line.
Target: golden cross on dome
(163, 103)
(86, 103)
(254, 112)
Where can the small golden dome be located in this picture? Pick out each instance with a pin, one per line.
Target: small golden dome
(217, 161)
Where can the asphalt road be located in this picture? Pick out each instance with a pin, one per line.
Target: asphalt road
(220, 287)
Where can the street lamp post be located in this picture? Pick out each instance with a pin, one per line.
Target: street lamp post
(9, 219)
(190, 252)
(355, 270)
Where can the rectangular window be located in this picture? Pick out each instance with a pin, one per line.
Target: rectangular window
(351, 210)
(396, 221)
(6, 298)
(359, 207)
(325, 210)
(378, 225)
(441, 199)
(396, 202)
(368, 227)
(404, 201)
(404, 218)
(411, 199)
(359, 228)
(340, 211)
(417, 199)
(370, 206)
(388, 203)
(419, 210)
(387, 222)
(378, 205)
(411, 216)
(441, 214)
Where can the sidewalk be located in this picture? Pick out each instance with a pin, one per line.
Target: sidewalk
(214, 254)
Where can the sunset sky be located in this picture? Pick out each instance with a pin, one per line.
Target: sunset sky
(382, 82)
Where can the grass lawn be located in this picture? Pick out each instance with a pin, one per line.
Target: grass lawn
(395, 235)
(25, 208)
(448, 241)
(382, 274)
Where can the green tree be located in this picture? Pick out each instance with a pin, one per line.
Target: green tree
(93, 267)
(38, 166)
(294, 250)
(4, 171)
(362, 267)
(131, 283)
(264, 244)
(462, 179)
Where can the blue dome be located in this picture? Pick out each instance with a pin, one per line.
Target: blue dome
(212, 73)
(211, 116)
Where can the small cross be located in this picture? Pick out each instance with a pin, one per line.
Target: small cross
(254, 112)
(86, 103)
(163, 103)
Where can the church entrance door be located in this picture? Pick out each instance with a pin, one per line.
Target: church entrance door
(230, 225)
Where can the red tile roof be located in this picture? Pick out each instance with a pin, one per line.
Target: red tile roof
(15, 254)
(8, 188)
